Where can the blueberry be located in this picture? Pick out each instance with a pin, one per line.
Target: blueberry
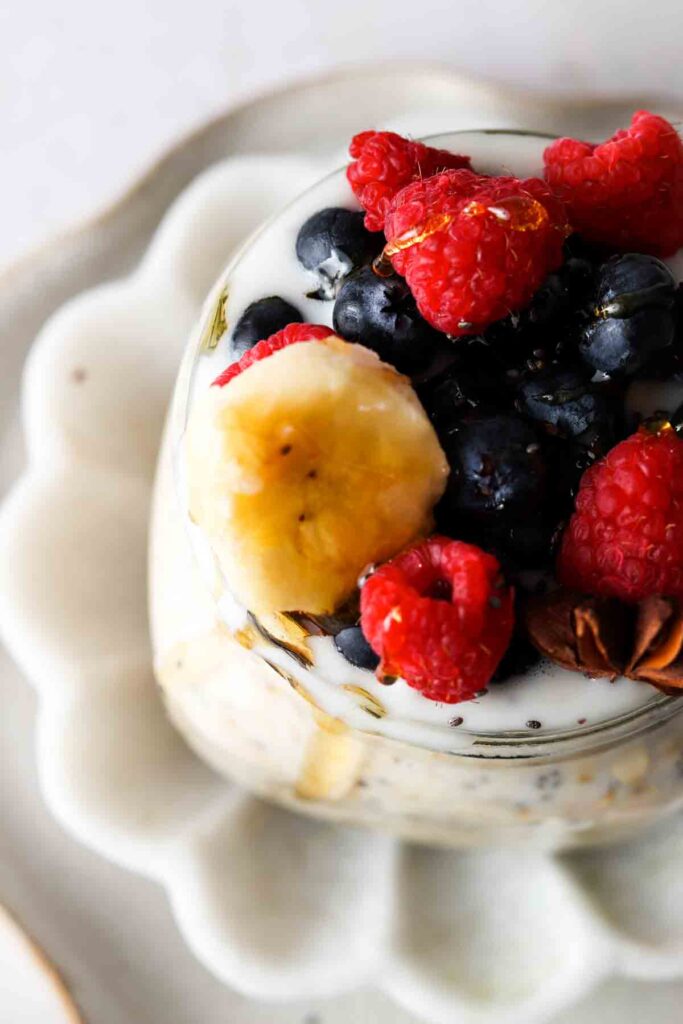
(451, 398)
(562, 292)
(497, 467)
(563, 402)
(520, 656)
(482, 375)
(519, 546)
(523, 545)
(331, 244)
(577, 246)
(355, 648)
(260, 320)
(633, 315)
(667, 364)
(380, 313)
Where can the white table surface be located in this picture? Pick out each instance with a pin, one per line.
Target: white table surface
(91, 92)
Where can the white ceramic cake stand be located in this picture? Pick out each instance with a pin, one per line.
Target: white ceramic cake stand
(276, 906)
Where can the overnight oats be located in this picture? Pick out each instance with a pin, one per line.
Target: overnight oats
(417, 554)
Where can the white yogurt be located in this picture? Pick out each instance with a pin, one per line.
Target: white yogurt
(557, 699)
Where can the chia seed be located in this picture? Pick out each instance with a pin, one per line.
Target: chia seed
(549, 781)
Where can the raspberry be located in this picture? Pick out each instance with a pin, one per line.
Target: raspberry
(289, 335)
(384, 162)
(625, 538)
(626, 193)
(439, 616)
(474, 249)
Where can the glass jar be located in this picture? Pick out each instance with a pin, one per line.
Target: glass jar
(250, 697)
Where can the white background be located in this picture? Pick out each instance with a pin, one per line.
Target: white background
(92, 91)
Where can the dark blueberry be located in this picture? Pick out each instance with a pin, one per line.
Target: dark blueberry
(496, 465)
(332, 243)
(527, 545)
(355, 648)
(623, 346)
(550, 301)
(450, 399)
(260, 320)
(562, 292)
(380, 313)
(667, 364)
(563, 402)
(520, 656)
(509, 349)
(633, 315)
(482, 376)
(519, 546)
(576, 246)
(567, 461)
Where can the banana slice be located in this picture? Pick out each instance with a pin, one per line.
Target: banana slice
(311, 464)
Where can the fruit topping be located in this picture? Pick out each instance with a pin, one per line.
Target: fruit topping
(633, 314)
(380, 313)
(562, 400)
(626, 193)
(355, 648)
(260, 320)
(496, 467)
(667, 364)
(562, 293)
(519, 658)
(440, 616)
(383, 162)
(474, 249)
(292, 334)
(331, 244)
(498, 491)
(529, 353)
(625, 538)
(313, 464)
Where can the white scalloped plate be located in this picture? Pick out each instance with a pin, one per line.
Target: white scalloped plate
(277, 906)
(31, 990)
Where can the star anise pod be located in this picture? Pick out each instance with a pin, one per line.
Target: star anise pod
(605, 637)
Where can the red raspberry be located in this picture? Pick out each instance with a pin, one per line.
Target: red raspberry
(384, 162)
(625, 538)
(626, 193)
(439, 616)
(289, 335)
(474, 249)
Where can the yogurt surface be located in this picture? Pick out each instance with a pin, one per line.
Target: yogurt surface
(548, 699)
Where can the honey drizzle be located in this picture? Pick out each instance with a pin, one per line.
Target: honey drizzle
(369, 703)
(433, 224)
(332, 762)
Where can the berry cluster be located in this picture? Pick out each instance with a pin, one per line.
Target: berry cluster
(522, 311)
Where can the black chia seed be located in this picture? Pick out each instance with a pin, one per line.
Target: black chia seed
(533, 724)
(456, 721)
(549, 780)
